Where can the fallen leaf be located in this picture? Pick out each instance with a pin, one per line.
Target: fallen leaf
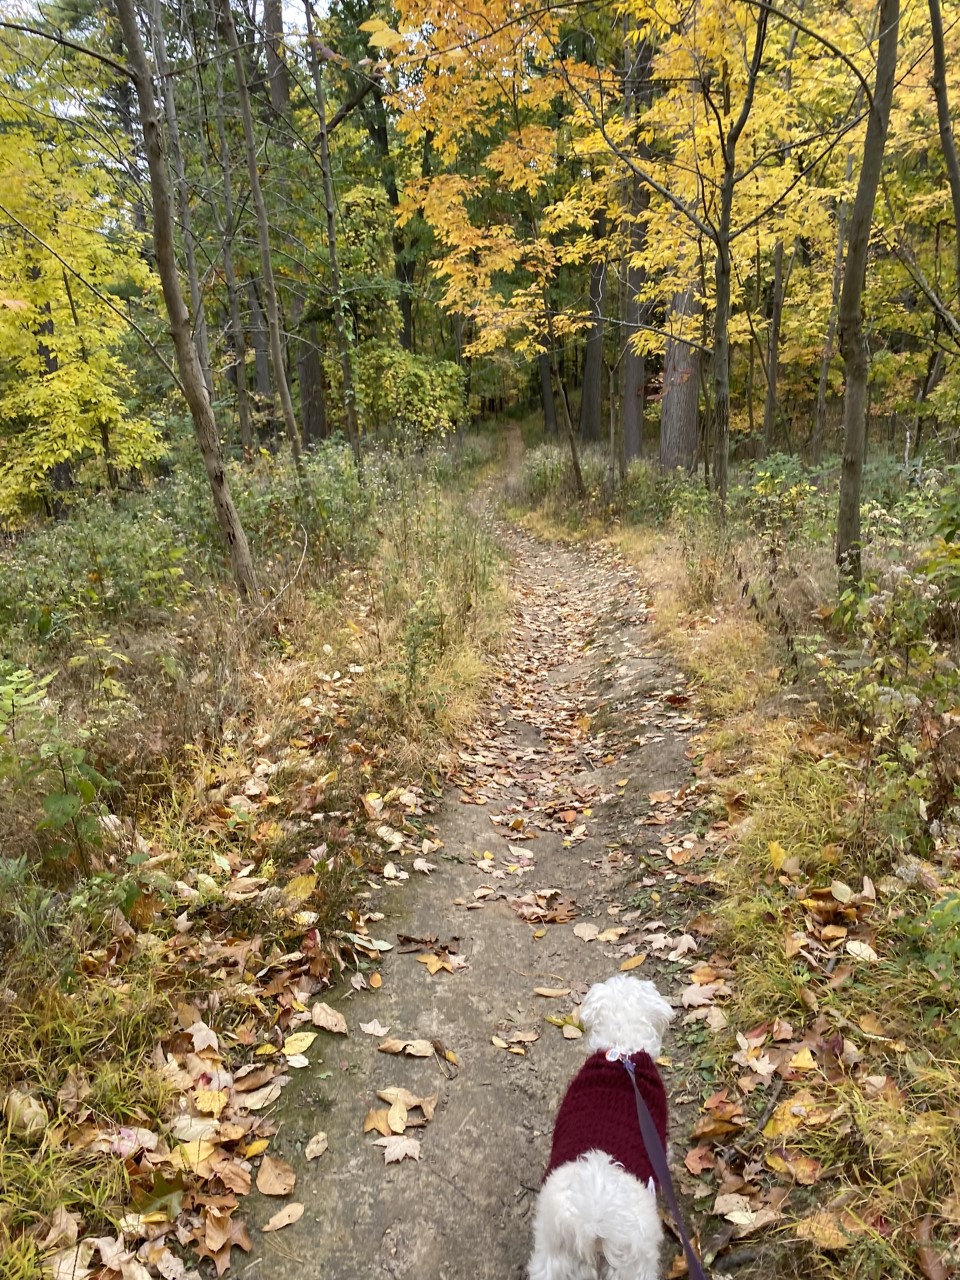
(377, 1121)
(233, 1176)
(192, 1155)
(551, 993)
(70, 1264)
(63, 1229)
(570, 1032)
(613, 934)
(203, 1037)
(275, 1177)
(25, 1115)
(259, 1098)
(633, 963)
(861, 951)
(829, 1230)
(803, 1060)
(373, 1028)
(301, 1041)
(376, 981)
(396, 1148)
(698, 1159)
(397, 1117)
(586, 931)
(316, 1146)
(435, 963)
(284, 1217)
(328, 1019)
(210, 1101)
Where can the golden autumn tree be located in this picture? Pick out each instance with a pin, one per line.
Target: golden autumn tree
(69, 255)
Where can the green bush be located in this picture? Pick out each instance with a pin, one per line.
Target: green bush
(406, 397)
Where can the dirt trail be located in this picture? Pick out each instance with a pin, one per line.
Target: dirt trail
(578, 649)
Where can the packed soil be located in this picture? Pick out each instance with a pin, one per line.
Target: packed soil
(569, 805)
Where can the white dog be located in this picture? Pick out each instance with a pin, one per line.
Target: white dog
(596, 1216)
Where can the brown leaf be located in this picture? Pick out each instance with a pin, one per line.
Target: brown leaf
(699, 1159)
(316, 1146)
(233, 1175)
(928, 1256)
(284, 1217)
(328, 1019)
(275, 1177)
(377, 1121)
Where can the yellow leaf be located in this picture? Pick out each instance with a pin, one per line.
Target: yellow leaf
(778, 854)
(210, 1101)
(376, 981)
(300, 887)
(299, 1042)
(256, 1148)
(192, 1155)
(803, 1060)
(633, 963)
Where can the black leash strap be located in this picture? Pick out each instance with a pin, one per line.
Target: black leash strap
(658, 1163)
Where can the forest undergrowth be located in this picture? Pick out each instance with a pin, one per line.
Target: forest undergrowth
(191, 797)
(831, 755)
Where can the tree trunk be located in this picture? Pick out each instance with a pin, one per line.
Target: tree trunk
(721, 323)
(636, 96)
(277, 73)
(947, 141)
(188, 363)
(853, 344)
(773, 349)
(183, 193)
(339, 309)
(591, 393)
(820, 419)
(564, 404)
(229, 33)
(546, 394)
(262, 382)
(238, 339)
(681, 394)
(313, 403)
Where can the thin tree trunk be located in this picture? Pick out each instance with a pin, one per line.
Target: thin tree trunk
(853, 343)
(188, 363)
(229, 32)
(546, 394)
(636, 96)
(564, 405)
(183, 193)
(721, 324)
(773, 349)
(238, 338)
(339, 318)
(820, 419)
(262, 382)
(947, 141)
(681, 394)
(591, 393)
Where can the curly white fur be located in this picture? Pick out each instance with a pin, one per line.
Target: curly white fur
(595, 1221)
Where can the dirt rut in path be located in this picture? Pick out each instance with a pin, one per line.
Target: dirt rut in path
(555, 784)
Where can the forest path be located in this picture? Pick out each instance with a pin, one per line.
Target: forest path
(573, 782)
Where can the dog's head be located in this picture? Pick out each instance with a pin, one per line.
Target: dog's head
(626, 1014)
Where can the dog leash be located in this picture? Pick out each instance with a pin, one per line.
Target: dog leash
(658, 1163)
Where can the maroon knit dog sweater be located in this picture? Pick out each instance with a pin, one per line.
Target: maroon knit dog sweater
(599, 1113)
